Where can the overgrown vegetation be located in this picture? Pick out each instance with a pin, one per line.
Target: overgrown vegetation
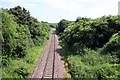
(21, 67)
(23, 38)
(91, 47)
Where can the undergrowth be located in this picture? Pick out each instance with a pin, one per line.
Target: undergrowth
(22, 67)
(91, 65)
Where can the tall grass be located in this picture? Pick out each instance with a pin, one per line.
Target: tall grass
(22, 67)
(91, 65)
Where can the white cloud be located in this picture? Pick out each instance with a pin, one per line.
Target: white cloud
(23, 3)
(63, 4)
(13, 1)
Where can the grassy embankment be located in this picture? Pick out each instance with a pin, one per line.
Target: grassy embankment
(22, 67)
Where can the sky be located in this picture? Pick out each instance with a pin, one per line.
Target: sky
(53, 11)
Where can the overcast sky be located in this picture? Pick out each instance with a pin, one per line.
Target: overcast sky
(55, 10)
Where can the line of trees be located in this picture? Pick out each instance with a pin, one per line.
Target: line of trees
(92, 37)
(20, 31)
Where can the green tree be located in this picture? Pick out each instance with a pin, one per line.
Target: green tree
(62, 25)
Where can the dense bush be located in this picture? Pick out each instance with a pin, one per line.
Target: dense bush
(92, 65)
(62, 25)
(91, 33)
(21, 15)
(113, 46)
(103, 29)
(21, 35)
(9, 34)
(18, 33)
(38, 30)
(93, 47)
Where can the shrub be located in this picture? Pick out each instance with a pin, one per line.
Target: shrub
(93, 65)
(113, 45)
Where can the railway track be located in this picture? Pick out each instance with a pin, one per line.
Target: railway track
(50, 64)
